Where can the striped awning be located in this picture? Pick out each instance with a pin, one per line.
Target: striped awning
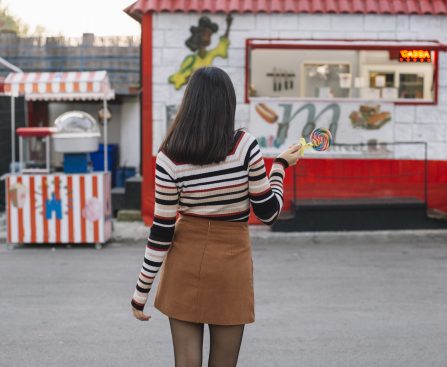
(76, 85)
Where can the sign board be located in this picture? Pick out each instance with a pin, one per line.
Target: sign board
(278, 123)
(414, 56)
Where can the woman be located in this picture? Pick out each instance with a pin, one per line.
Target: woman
(209, 173)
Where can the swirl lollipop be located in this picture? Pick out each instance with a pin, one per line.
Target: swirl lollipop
(320, 140)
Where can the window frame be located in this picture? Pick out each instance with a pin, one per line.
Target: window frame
(347, 44)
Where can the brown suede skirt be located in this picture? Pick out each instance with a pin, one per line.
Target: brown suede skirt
(207, 275)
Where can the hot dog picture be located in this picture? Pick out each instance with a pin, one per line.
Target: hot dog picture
(266, 113)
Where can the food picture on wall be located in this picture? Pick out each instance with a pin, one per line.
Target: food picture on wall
(198, 42)
(266, 113)
(17, 193)
(93, 210)
(369, 117)
(281, 122)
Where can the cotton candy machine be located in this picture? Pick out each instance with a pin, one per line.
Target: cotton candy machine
(76, 132)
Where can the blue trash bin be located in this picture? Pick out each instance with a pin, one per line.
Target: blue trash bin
(122, 174)
(76, 162)
(97, 159)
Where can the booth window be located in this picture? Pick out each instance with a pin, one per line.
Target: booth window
(385, 70)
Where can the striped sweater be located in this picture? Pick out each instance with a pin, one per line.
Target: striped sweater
(220, 191)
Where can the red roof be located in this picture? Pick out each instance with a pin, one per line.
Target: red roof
(433, 7)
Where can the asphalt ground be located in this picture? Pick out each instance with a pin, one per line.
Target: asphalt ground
(347, 299)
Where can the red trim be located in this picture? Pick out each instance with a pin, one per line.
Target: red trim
(279, 44)
(330, 41)
(156, 249)
(216, 188)
(8, 201)
(34, 131)
(32, 208)
(71, 237)
(330, 46)
(147, 278)
(148, 164)
(237, 143)
(20, 217)
(44, 190)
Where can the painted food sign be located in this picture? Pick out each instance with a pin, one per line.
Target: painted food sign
(278, 123)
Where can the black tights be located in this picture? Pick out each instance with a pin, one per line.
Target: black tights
(187, 338)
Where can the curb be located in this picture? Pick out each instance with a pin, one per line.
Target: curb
(137, 232)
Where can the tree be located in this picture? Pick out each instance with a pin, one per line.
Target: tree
(10, 23)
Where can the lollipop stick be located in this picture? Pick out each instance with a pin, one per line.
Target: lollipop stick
(304, 145)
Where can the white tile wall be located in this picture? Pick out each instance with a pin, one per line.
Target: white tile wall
(426, 123)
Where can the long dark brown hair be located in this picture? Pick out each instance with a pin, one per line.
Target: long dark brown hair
(203, 129)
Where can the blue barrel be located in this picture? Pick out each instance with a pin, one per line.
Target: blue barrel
(122, 174)
(75, 163)
(97, 159)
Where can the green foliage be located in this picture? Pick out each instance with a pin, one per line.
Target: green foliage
(9, 23)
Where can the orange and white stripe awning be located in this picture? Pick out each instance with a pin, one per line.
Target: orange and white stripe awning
(73, 85)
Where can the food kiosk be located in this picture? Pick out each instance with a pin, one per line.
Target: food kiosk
(374, 74)
(45, 206)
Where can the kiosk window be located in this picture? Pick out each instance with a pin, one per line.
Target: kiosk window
(324, 80)
(342, 73)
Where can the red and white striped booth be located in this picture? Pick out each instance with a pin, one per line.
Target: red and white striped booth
(58, 207)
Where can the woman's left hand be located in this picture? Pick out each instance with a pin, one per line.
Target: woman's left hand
(140, 314)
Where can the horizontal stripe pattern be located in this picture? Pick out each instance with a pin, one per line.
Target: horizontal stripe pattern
(219, 191)
(162, 229)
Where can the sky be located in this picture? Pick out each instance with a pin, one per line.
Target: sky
(74, 17)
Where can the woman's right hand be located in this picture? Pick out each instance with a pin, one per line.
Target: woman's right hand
(291, 154)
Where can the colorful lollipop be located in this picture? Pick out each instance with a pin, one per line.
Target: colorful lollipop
(320, 140)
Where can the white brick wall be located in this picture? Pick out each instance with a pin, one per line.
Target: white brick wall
(412, 122)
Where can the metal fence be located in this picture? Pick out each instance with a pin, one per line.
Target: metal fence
(120, 56)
